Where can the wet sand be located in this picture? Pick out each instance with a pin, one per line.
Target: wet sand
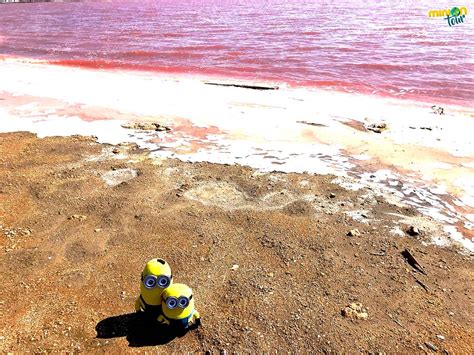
(79, 219)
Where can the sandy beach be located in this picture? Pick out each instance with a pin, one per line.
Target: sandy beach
(423, 159)
(255, 196)
(267, 254)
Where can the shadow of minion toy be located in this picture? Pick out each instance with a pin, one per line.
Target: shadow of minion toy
(155, 278)
(178, 309)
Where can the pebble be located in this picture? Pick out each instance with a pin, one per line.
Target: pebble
(146, 126)
(79, 217)
(431, 346)
(437, 110)
(234, 267)
(353, 233)
(377, 127)
(440, 337)
(332, 195)
(413, 231)
(355, 311)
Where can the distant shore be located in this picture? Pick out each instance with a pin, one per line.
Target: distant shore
(421, 158)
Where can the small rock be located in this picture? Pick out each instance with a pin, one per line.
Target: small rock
(332, 195)
(97, 230)
(78, 216)
(431, 346)
(413, 231)
(234, 267)
(146, 126)
(377, 127)
(440, 337)
(116, 151)
(353, 233)
(355, 311)
(270, 274)
(438, 110)
(123, 295)
(161, 128)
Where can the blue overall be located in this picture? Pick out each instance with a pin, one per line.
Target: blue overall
(182, 323)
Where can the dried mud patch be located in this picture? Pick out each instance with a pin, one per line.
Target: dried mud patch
(219, 194)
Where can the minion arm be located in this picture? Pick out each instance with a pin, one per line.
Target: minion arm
(138, 305)
(163, 320)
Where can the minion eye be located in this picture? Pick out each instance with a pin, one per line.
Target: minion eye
(171, 303)
(183, 302)
(150, 281)
(163, 281)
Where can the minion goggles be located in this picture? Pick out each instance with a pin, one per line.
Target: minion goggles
(181, 302)
(152, 281)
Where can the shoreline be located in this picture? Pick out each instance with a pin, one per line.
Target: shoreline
(424, 160)
(86, 216)
(175, 73)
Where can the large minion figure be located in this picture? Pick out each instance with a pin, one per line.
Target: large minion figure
(178, 307)
(156, 277)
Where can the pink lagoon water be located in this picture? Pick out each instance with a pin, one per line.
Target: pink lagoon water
(387, 48)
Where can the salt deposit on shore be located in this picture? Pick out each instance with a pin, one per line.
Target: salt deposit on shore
(424, 159)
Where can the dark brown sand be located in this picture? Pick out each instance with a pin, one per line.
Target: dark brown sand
(267, 255)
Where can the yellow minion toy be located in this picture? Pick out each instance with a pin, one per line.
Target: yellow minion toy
(156, 277)
(178, 307)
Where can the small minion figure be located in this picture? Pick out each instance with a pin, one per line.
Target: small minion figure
(178, 308)
(156, 277)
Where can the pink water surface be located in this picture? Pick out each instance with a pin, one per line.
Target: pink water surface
(380, 47)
